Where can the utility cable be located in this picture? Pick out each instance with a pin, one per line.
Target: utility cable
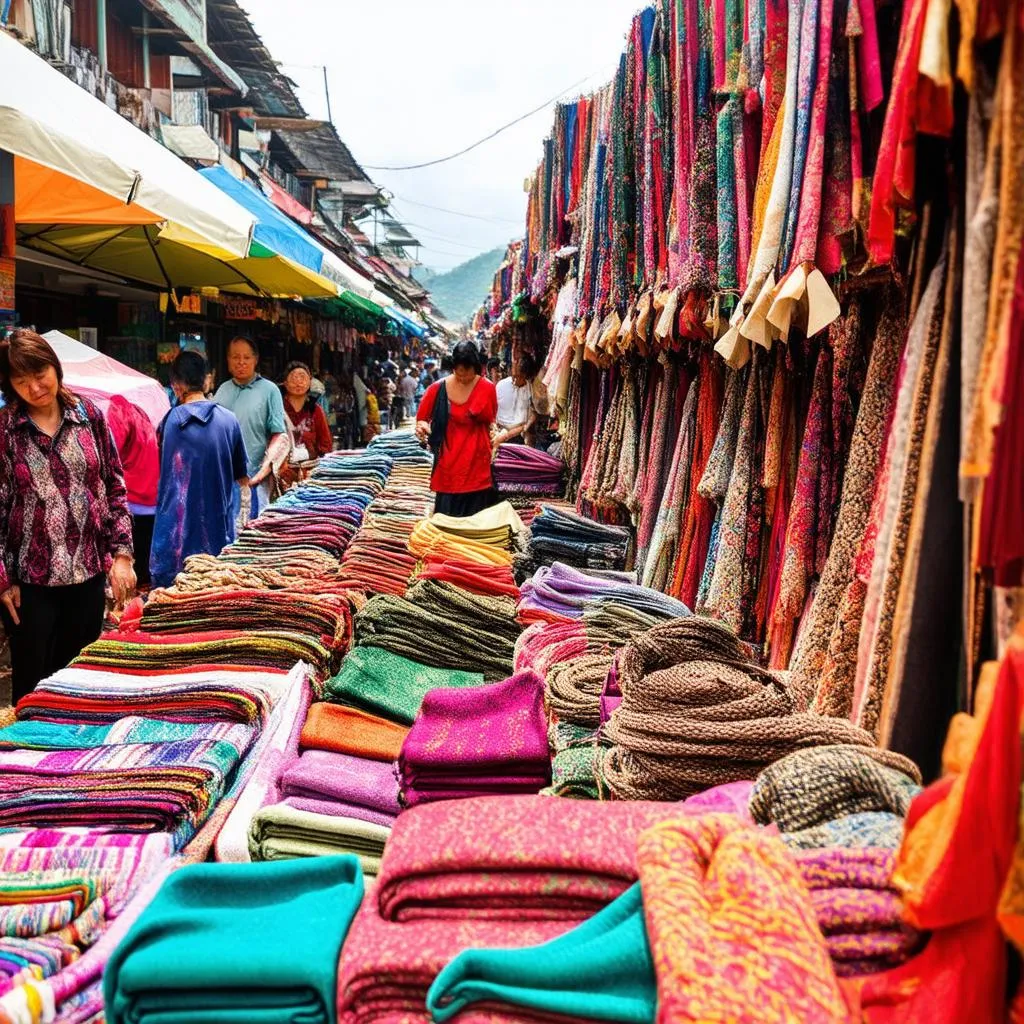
(479, 142)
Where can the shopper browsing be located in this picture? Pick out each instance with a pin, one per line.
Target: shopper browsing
(308, 429)
(515, 412)
(202, 459)
(64, 519)
(257, 404)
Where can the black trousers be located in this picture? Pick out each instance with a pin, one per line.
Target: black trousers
(142, 541)
(56, 623)
(466, 504)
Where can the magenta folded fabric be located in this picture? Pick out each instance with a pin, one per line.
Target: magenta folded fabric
(343, 779)
(477, 740)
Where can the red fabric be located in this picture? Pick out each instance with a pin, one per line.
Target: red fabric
(494, 580)
(1001, 538)
(316, 434)
(135, 438)
(464, 463)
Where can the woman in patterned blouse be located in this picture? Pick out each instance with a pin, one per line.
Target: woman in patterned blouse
(64, 519)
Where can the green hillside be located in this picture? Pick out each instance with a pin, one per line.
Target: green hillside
(460, 291)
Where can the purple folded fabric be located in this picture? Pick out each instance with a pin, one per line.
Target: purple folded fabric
(519, 465)
(730, 798)
(338, 809)
(342, 778)
(477, 740)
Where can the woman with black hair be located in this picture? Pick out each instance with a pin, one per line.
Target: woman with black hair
(307, 425)
(455, 419)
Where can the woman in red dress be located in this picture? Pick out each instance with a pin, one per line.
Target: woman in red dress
(307, 423)
(455, 418)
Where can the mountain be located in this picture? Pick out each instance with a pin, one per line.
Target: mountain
(460, 291)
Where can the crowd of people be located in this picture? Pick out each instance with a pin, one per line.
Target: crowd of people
(91, 501)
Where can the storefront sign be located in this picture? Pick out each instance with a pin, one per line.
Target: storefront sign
(245, 309)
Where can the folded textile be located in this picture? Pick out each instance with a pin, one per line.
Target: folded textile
(732, 931)
(561, 591)
(811, 787)
(517, 857)
(43, 735)
(601, 970)
(428, 539)
(520, 469)
(387, 968)
(182, 960)
(342, 778)
(499, 520)
(443, 626)
(858, 908)
(560, 534)
(351, 731)
(282, 832)
(492, 580)
(79, 696)
(878, 829)
(386, 684)
(697, 712)
(578, 754)
(477, 740)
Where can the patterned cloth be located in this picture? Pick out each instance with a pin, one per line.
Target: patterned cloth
(810, 787)
(63, 501)
(732, 931)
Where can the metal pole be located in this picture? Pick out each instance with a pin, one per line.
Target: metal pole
(146, 79)
(101, 34)
(327, 93)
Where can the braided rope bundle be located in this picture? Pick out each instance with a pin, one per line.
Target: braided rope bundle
(697, 713)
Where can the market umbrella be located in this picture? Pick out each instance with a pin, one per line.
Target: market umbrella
(98, 377)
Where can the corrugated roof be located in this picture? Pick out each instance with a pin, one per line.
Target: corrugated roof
(321, 154)
(234, 40)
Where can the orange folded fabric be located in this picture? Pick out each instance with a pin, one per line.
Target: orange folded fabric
(351, 731)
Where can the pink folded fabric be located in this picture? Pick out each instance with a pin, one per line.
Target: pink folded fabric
(344, 778)
(477, 740)
(512, 857)
(387, 968)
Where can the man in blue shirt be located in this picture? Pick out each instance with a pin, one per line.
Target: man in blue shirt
(259, 407)
(202, 460)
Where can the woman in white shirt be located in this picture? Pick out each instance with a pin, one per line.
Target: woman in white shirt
(515, 410)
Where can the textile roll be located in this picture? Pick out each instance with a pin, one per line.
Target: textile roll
(351, 731)
(511, 857)
(341, 778)
(477, 740)
(386, 684)
(600, 971)
(810, 787)
(284, 831)
(182, 960)
(669, 743)
(719, 893)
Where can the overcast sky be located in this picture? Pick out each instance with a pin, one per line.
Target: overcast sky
(412, 80)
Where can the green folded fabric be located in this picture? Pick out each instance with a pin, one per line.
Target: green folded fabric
(237, 944)
(280, 832)
(386, 684)
(601, 970)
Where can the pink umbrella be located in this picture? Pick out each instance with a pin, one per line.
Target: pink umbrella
(98, 377)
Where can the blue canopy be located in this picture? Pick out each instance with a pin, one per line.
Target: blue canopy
(407, 323)
(274, 231)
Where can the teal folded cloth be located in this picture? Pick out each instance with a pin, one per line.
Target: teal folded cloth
(601, 970)
(237, 944)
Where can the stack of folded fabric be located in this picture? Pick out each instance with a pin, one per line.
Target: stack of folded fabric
(442, 625)
(858, 907)
(386, 684)
(198, 693)
(696, 712)
(475, 741)
(325, 782)
(835, 796)
(519, 469)
(182, 958)
(488, 580)
(512, 871)
(309, 570)
(560, 591)
(347, 730)
(236, 648)
(402, 448)
(485, 538)
(133, 787)
(327, 616)
(560, 534)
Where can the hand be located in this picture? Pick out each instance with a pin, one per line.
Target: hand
(11, 600)
(122, 580)
(422, 431)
